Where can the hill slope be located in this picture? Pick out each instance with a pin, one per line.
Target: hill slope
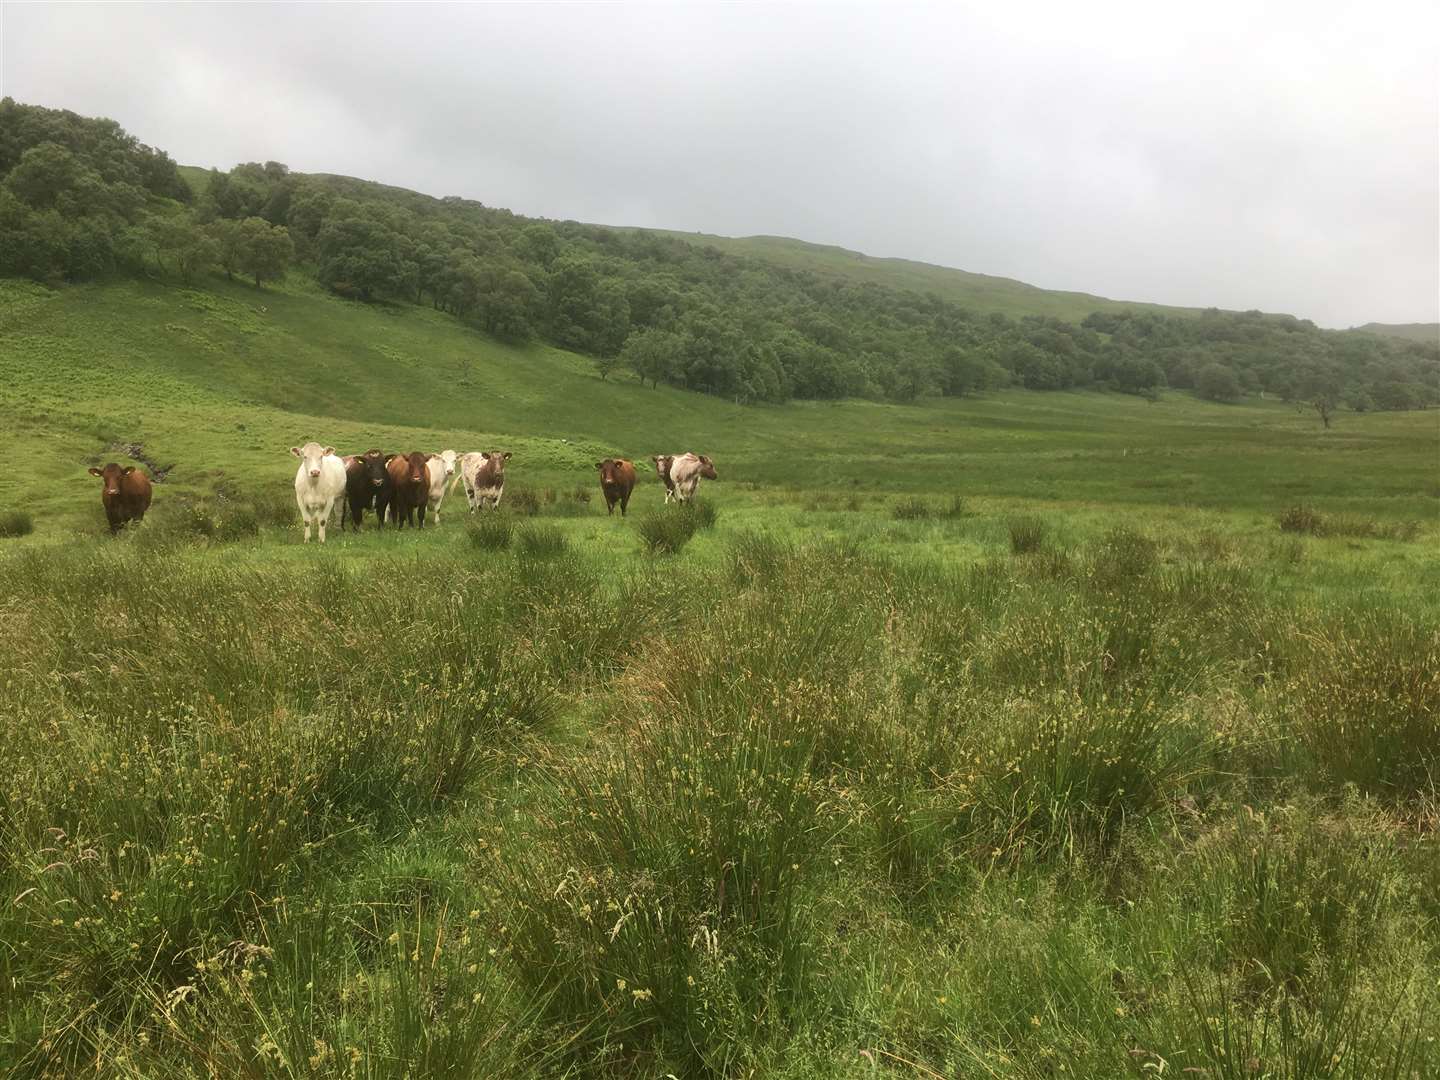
(1429, 333)
(982, 293)
(222, 379)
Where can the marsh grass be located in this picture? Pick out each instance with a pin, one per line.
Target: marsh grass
(15, 523)
(1307, 520)
(666, 531)
(796, 798)
(1027, 534)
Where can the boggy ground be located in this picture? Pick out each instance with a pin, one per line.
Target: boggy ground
(902, 787)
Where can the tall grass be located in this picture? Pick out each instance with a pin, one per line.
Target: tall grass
(16, 523)
(781, 808)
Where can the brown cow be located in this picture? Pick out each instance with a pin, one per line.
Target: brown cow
(410, 483)
(125, 495)
(617, 480)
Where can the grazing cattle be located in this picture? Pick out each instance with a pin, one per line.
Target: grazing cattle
(125, 494)
(440, 468)
(319, 481)
(686, 471)
(617, 480)
(411, 483)
(662, 470)
(483, 474)
(367, 485)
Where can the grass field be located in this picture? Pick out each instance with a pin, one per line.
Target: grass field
(1010, 737)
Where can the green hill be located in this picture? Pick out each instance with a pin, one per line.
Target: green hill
(983, 293)
(221, 380)
(1429, 333)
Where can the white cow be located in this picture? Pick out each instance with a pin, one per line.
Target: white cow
(439, 468)
(319, 482)
(685, 473)
(484, 477)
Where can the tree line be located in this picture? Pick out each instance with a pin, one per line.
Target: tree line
(81, 199)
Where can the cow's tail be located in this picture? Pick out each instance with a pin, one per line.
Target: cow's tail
(459, 476)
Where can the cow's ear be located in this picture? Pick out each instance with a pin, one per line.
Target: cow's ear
(389, 458)
(705, 459)
(506, 455)
(93, 471)
(127, 470)
(296, 451)
(432, 457)
(329, 450)
(600, 465)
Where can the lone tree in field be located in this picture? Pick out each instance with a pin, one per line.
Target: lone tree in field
(265, 250)
(1217, 382)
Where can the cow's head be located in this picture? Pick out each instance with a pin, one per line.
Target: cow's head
(662, 465)
(448, 457)
(374, 462)
(415, 468)
(111, 475)
(707, 468)
(312, 454)
(610, 470)
(496, 459)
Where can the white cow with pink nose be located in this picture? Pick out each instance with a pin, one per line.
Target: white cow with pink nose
(319, 481)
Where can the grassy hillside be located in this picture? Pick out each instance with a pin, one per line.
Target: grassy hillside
(981, 293)
(1429, 333)
(220, 380)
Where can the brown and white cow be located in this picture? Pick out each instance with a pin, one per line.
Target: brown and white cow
(617, 480)
(125, 494)
(483, 474)
(410, 483)
(367, 485)
(686, 471)
(662, 470)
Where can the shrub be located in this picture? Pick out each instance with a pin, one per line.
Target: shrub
(667, 530)
(16, 523)
(1300, 519)
(911, 509)
(522, 500)
(705, 513)
(541, 540)
(1027, 534)
(490, 530)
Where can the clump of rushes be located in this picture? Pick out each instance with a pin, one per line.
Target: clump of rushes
(16, 523)
(667, 530)
(1027, 534)
(490, 530)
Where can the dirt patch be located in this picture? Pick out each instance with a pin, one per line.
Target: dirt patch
(136, 452)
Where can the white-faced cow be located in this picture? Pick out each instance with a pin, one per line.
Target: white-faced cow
(125, 494)
(686, 471)
(617, 480)
(319, 481)
(440, 467)
(411, 483)
(662, 470)
(483, 474)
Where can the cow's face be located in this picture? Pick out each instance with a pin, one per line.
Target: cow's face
(415, 468)
(448, 457)
(707, 469)
(662, 465)
(496, 460)
(111, 475)
(374, 465)
(312, 454)
(610, 470)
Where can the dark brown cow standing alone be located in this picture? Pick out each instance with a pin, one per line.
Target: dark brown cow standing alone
(125, 494)
(617, 480)
(411, 488)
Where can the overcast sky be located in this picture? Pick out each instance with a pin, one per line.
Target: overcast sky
(1284, 156)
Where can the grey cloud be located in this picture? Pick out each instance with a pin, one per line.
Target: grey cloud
(1284, 158)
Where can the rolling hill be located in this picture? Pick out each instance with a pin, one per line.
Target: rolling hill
(1429, 333)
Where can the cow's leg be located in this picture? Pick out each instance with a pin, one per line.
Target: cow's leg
(420, 512)
(624, 503)
(305, 516)
(325, 513)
